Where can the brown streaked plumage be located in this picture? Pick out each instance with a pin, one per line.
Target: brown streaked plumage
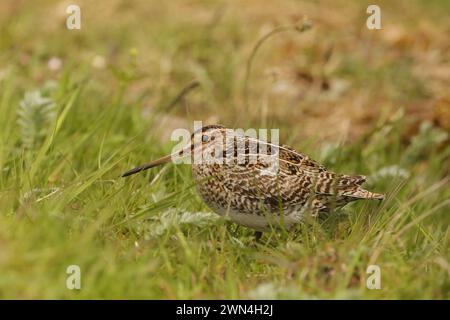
(259, 184)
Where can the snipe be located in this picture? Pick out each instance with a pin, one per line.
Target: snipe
(259, 184)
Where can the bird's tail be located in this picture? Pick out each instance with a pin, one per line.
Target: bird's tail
(352, 187)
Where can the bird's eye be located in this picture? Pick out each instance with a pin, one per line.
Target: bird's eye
(205, 138)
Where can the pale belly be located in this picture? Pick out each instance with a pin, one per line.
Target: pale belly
(265, 223)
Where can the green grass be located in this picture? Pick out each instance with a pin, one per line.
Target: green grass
(62, 201)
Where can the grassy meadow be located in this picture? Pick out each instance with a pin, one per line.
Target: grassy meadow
(80, 107)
